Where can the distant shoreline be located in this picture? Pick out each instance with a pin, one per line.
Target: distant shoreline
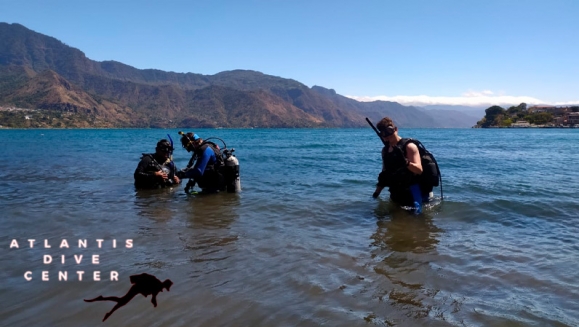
(529, 127)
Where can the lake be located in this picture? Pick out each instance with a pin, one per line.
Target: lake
(304, 243)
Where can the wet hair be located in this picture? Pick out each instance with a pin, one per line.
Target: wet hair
(386, 126)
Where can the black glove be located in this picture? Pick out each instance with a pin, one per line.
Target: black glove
(190, 185)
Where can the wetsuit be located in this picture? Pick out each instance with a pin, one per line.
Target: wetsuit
(149, 164)
(206, 172)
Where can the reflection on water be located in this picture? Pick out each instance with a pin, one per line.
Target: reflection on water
(401, 247)
(208, 238)
(212, 210)
(400, 231)
(156, 204)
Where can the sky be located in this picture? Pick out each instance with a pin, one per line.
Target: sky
(415, 52)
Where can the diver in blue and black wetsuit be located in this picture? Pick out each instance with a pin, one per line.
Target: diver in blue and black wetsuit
(401, 168)
(204, 166)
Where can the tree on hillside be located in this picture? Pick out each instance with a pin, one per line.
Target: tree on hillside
(516, 110)
(493, 116)
(507, 122)
(540, 118)
(575, 108)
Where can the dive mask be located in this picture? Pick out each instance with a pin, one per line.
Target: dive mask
(389, 130)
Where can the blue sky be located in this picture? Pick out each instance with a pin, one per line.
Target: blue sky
(414, 52)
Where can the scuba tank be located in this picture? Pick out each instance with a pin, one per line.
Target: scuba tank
(226, 165)
(231, 172)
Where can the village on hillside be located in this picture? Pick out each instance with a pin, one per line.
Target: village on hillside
(535, 116)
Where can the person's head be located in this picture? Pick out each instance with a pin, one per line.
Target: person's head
(167, 284)
(164, 148)
(387, 128)
(190, 141)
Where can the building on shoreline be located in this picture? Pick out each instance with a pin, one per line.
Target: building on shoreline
(521, 123)
(555, 110)
(572, 118)
(562, 115)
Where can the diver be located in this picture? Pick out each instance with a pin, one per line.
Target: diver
(143, 284)
(212, 169)
(408, 169)
(156, 170)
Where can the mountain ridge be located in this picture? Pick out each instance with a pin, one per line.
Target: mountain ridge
(41, 72)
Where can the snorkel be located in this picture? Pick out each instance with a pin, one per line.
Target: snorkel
(172, 148)
(171, 140)
(377, 132)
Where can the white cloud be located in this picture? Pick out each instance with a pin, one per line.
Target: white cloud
(473, 94)
(469, 98)
(566, 103)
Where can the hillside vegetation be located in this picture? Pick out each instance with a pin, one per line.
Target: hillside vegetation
(39, 72)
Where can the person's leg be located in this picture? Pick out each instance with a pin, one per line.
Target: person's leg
(120, 301)
(417, 198)
(98, 298)
(402, 197)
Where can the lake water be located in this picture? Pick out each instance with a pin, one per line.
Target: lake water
(304, 243)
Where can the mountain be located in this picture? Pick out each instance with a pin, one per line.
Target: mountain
(467, 115)
(454, 115)
(40, 72)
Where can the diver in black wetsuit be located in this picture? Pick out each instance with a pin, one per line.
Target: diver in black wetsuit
(156, 170)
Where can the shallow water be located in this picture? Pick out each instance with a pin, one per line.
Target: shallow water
(304, 243)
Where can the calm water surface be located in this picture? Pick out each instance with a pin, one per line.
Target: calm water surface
(304, 244)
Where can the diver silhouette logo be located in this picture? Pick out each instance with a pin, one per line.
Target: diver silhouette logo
(144, 284)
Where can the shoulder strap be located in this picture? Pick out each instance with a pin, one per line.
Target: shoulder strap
(215, 148)
(157, 163)
(150, 156)
(421, 149)
(403, 143)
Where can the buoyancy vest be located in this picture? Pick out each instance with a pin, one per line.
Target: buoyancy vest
(167, 166)
(394, 171)
(219, 162)
(153, 166)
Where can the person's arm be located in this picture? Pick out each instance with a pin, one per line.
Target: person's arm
(384, 151)
(174, 170)
(413, 157)
(200, 164)
(142, 174)
(381, 185)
